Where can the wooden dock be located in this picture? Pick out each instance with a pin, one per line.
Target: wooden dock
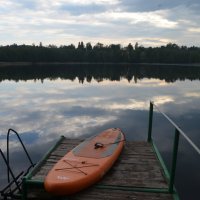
(137, 175)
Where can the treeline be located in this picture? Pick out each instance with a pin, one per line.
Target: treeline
(99, 53)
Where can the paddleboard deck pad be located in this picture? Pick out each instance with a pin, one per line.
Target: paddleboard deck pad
(86, 163)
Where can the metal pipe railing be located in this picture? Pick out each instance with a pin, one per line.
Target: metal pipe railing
(178, 131)
(16, 179)
(176, 126)
(174, 159)
(10, 171)
(24, 148)
(150, 122)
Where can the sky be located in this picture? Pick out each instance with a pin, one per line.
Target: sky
(62, 22)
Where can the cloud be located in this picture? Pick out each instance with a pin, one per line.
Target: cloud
(155, 19)
(82, 9)
(69, 21)
(159, 100)
(194, 30)
(193, 94)
(154, 5)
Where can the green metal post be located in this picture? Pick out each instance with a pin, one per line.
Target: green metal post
(174, 159)
(150, 121)
(24, 189)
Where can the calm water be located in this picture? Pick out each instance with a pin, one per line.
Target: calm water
(44, 102)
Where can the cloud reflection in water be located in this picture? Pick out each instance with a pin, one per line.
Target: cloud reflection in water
(50, 107)
(63, 107)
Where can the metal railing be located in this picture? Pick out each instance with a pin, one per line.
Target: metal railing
(178, 131)
(8, 191)
(24, 148)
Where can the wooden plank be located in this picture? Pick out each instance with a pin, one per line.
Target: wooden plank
(136, 167)
(65, 146)
(101, 194)
(136, 170)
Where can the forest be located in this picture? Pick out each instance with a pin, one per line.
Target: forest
(100, 53)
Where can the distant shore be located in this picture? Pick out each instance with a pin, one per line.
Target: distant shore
(4, 64)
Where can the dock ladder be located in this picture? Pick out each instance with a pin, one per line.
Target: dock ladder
(13, 188)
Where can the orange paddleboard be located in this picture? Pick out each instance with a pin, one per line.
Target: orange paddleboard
(85, 164)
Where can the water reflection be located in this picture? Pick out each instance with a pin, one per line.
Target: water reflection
(107, 97)
(99, 72)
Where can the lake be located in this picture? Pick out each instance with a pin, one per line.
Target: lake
(43, 102)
